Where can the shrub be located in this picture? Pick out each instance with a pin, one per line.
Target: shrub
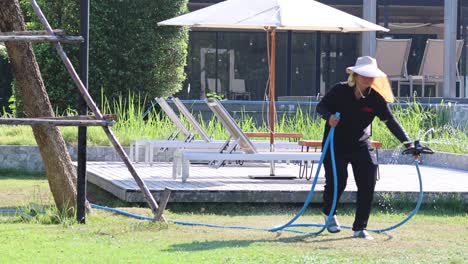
(128, 51)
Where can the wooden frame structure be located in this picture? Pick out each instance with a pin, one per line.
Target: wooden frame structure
(57, 37)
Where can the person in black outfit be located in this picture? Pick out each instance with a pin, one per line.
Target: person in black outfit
(367, 94)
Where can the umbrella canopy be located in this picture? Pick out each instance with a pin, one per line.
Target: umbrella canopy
(303, 15)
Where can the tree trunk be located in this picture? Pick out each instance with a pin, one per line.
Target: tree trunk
(30, 87)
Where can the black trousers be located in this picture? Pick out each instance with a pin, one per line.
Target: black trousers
(364, 164)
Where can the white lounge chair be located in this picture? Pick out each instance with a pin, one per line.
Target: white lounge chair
(180, 127)
(171, 142)
(206, 143)
(189, 117)
(182, 158)
(261, 144)
(431, 70)
(392, 58)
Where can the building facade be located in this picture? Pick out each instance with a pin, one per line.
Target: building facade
(234, 64)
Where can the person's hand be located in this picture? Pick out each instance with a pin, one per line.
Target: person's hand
(408, 144)
(410, 149)
(416, 149)
(333, 120)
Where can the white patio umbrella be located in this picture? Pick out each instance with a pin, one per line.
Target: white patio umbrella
(272, 15)
(305, 15)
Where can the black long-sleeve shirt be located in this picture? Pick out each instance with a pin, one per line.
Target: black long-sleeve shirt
(353, 130)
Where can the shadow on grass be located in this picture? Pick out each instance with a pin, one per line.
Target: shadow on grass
(12, 174)
(99, 196)
(240, 209)
(216, 244)
(454, 206)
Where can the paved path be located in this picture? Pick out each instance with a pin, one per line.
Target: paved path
(232, 183)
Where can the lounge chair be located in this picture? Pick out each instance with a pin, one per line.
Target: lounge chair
(392, 57)
(189, 117)
(248, 150)
(431, 70)
(258, 143)
(171, 142)
(206, 143)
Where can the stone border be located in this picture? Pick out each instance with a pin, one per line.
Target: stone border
(438, 159)
(28, 157)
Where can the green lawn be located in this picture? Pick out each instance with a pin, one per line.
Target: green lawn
(19, 188)
(436, 235)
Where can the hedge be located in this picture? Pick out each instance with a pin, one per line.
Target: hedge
(129, 53)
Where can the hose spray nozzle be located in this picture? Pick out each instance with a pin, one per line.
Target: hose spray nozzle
(417, 149)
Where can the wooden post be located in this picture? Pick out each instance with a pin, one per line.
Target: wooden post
(57, 32)
(89, 101)
(272, 98)
(163, 202)
(272, 86)
(80, 117)
(55, 122)
(38, 38)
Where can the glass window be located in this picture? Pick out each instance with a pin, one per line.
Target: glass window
(199, 65)
(415, 20)
(235, 63)
(303, 64)
(232, 64)
(248, 64)
(339, 51)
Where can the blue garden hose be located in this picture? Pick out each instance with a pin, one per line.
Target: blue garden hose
(413, 213)
(9, 210)
(415, 210)
(286, 227)
(329, 144)
(153, 104)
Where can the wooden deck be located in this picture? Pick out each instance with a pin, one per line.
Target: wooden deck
(232, 183)
(226, 184)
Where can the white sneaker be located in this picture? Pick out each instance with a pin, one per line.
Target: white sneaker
(333, 225)
(362, 234)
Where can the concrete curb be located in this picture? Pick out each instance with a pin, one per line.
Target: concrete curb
(438, 159)
(29, 158)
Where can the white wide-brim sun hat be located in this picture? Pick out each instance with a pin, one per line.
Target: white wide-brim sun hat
(367, 67)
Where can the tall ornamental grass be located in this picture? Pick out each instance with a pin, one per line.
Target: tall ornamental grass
(135, 120)
(432, 126)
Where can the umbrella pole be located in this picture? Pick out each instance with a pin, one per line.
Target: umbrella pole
(272, 98)
(272, 107)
